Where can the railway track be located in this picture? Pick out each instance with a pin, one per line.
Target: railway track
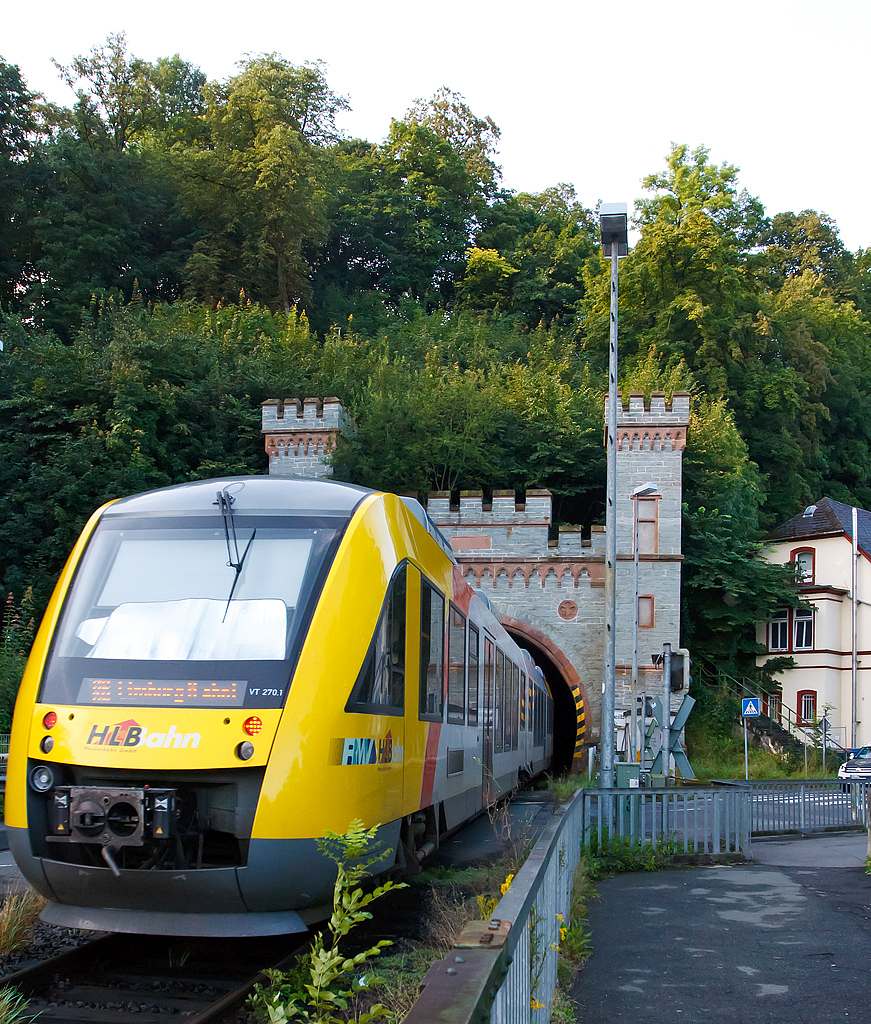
(155, 978)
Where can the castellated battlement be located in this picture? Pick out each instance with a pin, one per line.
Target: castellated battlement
(505, 507)
(653, 427)
(298, 436)
(291, 414)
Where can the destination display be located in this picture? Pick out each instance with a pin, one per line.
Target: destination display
(164, 693)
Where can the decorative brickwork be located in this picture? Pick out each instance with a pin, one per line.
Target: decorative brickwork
(299, 436)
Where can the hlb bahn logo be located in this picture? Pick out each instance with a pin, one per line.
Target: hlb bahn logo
(132, 734)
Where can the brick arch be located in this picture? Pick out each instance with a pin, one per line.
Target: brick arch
(576, 694)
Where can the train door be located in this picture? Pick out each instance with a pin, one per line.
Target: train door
(488, 712)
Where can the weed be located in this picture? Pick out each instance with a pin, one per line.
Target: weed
(178, 954)
(322, 986)
(13, 1006)
(562, 1009)
(17, 918)
(564, 787)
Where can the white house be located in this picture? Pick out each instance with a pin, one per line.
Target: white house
(831, 643)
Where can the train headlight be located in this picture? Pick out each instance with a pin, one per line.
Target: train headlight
(41, 778)
(46, 743)
(245, 751)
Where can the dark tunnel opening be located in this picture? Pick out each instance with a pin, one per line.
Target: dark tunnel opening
(565, 717)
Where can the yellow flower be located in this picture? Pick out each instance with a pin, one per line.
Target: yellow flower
(506, 885)
(559, 917)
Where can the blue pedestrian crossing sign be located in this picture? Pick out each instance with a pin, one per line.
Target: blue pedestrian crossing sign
(750, 707)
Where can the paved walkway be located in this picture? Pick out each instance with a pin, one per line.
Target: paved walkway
(786, 938)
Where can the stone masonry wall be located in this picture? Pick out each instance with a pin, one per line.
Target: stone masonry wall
(299, 436)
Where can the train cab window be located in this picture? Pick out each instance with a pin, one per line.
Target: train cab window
(456, 666)
(432, 633)
(380, 687)
(157, 616)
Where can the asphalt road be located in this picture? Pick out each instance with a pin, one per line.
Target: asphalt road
(786, 938)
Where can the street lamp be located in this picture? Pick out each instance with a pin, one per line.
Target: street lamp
(640, 492)
(614, 225)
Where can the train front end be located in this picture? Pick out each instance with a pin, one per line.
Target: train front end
(153, 701)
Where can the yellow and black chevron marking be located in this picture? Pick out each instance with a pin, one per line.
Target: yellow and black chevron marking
(582, 722)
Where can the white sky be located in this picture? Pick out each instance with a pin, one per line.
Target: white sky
(587, 93)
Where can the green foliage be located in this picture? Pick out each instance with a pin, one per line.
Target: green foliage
(474, 138)
(726, 589)
(324, 985)
(13, 1007)
(610, 855)
(19, 628)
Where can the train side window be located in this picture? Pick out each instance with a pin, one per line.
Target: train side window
(509, 702)
(380, 687)
(456, 666)
(432, 634)
(499, 704)
(473, 675)
(515, 709)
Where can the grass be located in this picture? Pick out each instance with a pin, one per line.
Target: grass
(13, 1007)
(715, 756)
(17, 918)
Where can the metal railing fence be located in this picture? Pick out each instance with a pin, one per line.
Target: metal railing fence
(805, 805)
(709, 820)
(504, 970)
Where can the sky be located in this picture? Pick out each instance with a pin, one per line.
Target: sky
(592, 94)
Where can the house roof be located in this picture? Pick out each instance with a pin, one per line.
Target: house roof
(823, 519)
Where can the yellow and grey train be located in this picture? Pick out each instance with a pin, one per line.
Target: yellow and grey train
(230, 668)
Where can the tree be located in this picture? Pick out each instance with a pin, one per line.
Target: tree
(107, 111)
(17, 125)
(142, 398)
(808, 241)
(107, 224)
(419, 430)
(474, 138)
(401, 223)
(258, 185)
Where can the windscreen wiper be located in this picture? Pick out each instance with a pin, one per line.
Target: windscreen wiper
(225, 504)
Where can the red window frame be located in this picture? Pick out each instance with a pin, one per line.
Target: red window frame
(799, 701)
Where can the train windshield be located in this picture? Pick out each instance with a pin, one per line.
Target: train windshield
(163, 613)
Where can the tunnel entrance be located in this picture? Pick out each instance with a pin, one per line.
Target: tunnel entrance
(570, 710)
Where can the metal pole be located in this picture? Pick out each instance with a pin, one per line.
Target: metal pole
(666, 709)
(854, 742)
(633, 746)
(609, 678)
(746, 759)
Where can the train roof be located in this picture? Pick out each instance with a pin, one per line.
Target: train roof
(264, 495)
